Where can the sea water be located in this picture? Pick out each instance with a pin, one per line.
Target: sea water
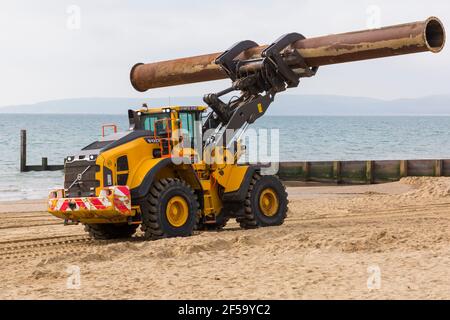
(301, 138)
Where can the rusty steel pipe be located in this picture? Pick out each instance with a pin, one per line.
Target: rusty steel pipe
(421, 36)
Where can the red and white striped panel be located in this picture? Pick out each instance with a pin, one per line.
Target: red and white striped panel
(114, 198)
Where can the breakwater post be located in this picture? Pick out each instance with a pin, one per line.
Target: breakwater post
(23, 150)
(44, 166)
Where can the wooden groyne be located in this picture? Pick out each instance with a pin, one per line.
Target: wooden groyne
(339, 172)
(44, 166)
(362, 172)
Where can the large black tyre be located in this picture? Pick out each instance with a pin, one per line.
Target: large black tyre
(266, 203)
(106, 231)
(170, 209)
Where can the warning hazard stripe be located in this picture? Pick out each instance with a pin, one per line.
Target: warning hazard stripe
(97, 203)
(80, 203)
(64, 205)
(122, 191)
(121, 206)
(118, 200)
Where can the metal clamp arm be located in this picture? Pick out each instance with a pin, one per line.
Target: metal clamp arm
(258, 80)
(227, 59)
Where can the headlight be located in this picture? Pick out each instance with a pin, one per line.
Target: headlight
(156, 153)
(70, 158)
(92, 157)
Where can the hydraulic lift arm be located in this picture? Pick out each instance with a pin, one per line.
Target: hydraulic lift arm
(258, 81)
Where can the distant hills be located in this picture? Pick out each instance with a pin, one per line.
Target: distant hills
(284, 104)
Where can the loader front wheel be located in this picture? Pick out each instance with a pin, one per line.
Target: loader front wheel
(265, 204)
(106, 231)
(169, 210)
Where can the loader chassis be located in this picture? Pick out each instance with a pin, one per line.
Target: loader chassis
(125, 180)
(172, 173)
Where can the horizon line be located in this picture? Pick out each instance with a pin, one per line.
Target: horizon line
(179, 97)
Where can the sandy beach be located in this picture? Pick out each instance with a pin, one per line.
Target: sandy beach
(338, 242)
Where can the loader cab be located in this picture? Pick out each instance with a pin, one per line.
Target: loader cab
(170, 126)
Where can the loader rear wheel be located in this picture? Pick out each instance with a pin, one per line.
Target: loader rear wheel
(105, 231)
(169, 210)
(265, 204)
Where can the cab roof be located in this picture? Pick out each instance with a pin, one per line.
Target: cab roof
(172, 108)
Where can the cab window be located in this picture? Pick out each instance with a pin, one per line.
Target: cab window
(148, 122)
(189, 124)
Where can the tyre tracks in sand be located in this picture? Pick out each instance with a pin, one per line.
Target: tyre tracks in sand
(77, 243)
(397, 213)
(26, 219)
(51, 246)
(31, 248)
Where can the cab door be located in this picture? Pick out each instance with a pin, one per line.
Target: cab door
(191, 128)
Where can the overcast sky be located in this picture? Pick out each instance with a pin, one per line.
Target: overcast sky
(48, 51)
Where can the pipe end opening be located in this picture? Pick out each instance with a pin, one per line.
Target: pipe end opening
(434, 34)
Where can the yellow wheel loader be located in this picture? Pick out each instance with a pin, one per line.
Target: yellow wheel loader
(176, 169)
(151, 176)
